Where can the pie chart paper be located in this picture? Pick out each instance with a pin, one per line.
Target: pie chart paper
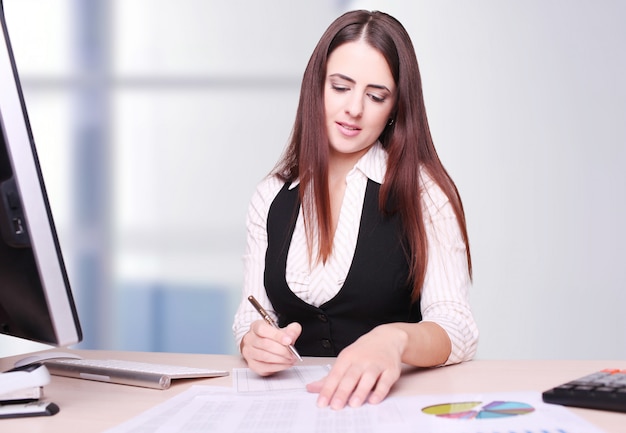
(493, 412)
(479, 410)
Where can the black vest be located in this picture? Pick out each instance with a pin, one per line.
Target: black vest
(376, 289)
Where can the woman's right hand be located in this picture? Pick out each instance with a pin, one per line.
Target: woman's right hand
(265, 348)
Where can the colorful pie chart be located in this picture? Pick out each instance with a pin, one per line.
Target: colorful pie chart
(479, 410)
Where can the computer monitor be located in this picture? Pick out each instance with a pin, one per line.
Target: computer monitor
(36, 301)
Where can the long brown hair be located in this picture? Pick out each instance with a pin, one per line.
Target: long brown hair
(408, 141)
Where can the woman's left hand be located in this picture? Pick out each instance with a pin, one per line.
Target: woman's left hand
(365, 371)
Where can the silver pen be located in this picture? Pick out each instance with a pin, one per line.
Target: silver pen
(269, 320)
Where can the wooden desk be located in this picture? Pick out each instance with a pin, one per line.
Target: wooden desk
(88, 406)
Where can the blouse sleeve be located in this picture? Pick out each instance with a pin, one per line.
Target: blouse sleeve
(445, 293)
(254, 257)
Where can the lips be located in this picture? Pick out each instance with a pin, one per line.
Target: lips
(348, 129)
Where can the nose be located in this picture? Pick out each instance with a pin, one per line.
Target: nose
(354, 105)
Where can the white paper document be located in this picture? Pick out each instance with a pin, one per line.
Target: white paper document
(295, 378)
(215, 409)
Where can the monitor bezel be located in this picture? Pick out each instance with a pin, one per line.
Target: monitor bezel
(38, 220)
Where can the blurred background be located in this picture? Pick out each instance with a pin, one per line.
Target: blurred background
(154, 120)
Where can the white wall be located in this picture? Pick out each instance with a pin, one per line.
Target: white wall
(527, 105)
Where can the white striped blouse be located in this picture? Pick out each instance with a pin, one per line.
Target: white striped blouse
(445, 294)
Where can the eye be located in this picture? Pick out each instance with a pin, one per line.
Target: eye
(376, 98)
(339, 88)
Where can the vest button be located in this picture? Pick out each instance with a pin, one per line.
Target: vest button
(326, 344)
(322, 317)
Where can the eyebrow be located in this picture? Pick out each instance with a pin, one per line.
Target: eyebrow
(351, 80)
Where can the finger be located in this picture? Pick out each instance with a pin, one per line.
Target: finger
(265, 363)
(327, 386)
(268, 351)
(259, 346)
(383, 386)
(284, 336)
(293, 330)
(266, 337)
(315, 387)
(338, 387)
(366, 383)
(344, 390)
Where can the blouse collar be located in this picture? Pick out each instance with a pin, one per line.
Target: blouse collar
(372, 165)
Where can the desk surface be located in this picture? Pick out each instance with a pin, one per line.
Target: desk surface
(88, 406)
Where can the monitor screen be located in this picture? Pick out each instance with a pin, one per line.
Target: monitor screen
(36, 302)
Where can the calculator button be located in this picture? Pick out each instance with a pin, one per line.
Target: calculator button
(606, 390)
(563, 389)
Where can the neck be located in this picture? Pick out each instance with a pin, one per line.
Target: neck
(340, 164)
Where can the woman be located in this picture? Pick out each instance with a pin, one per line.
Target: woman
(357, 242)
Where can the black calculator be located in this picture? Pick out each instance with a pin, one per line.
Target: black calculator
(603, 390)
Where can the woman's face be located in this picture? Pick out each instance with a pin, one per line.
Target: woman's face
(359, 95)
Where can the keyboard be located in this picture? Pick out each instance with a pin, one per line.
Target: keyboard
(144, 374)
(603, 390)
